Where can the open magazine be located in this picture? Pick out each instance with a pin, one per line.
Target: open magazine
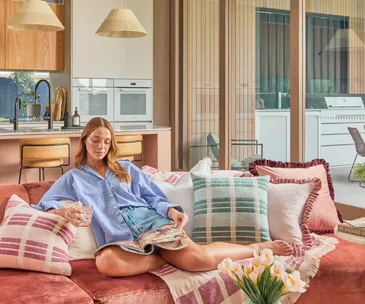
(166, 236)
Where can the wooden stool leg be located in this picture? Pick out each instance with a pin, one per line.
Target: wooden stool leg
(43, 174)
(61, 170)
(40, 174)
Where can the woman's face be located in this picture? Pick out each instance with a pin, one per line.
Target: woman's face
(98, 143)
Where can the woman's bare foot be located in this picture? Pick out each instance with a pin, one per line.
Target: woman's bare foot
(278, 247)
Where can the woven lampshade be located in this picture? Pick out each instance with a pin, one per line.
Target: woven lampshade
(345, 39)
(121, 23)
(36, 16)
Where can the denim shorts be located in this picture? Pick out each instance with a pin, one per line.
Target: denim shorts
(142, 219)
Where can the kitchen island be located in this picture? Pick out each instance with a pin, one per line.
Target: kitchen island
(156, 149)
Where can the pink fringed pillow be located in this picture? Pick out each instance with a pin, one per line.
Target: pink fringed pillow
(324, 216)
(34, 240)
(290, 203)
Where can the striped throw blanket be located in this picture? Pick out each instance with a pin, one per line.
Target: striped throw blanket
(214, 287)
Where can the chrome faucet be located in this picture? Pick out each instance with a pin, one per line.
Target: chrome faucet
(50, 121)
(17, 105)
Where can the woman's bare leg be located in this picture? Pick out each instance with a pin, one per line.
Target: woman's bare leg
(196, 257)
(115, 262)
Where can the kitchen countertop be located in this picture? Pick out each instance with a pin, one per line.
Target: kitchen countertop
(40, 131)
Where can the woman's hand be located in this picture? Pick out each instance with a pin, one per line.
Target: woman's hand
(72, 215)
(180, 219)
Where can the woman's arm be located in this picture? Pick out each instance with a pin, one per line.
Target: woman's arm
(61, 190)
(151, 193)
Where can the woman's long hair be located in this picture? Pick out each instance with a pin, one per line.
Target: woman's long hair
(111, 157)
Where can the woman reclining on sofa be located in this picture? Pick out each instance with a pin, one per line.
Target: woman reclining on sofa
(124, 198)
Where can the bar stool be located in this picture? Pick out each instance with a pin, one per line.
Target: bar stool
(44, 153)
(129, 146)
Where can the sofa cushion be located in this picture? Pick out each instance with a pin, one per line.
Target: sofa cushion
(6, 191)
(36, 190)
(34, 240)
(230, 209)
(181, 195)
(141, 289)
(290, 202)
(324, 216)
(340, 278)
(19, 286)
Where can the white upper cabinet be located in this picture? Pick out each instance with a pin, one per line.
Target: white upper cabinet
(101, 57)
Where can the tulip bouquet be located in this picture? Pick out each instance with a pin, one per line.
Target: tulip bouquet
(264, 279)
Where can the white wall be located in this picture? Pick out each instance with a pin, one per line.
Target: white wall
(139, 52)
(100, 57)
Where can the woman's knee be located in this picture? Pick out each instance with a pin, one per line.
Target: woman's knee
(109, 264)
(198, 259)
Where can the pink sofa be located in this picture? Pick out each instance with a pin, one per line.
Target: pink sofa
(340, 279)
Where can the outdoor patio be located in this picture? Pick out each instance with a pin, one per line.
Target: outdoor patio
(348, 193)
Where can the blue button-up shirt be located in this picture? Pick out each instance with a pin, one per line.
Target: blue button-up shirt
(107, 195)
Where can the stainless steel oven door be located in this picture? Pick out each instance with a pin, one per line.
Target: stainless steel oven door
(133, 104)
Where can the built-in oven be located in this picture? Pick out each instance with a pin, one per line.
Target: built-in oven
(133, 100)
(93, 97)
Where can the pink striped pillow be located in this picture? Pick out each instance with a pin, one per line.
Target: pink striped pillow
(174, 177)
(158, 175)
(34, 240)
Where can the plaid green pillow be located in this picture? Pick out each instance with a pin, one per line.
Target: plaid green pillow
(230, 209)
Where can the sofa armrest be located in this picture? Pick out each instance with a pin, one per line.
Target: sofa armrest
(350, 212)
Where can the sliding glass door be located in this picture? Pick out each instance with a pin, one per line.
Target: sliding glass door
(258, 68)
(335, 115)
(199, 106)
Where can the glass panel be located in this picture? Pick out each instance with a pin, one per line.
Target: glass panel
(93, 104)
(21, 84)
(259, 76)
(199, 112)
(336, 91)
(133, 104)
(259, 88)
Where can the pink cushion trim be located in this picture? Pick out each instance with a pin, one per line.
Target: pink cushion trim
(308, 207)
(320, 222)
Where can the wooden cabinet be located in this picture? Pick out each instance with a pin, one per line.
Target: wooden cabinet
(2, 33)
(30, 50)
(49, 47)
(19, 45)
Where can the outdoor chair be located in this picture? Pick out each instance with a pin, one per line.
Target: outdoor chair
(360, 150)
(213, 144)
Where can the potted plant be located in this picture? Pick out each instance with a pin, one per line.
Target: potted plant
(32, 107)
(359, 172)
(25, 83)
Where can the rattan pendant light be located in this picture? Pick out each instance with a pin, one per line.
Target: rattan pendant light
(121, 23)
(36, 16)
(345, 39)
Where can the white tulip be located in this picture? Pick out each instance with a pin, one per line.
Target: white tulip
(293, 283)
(266, 257)
(277, 270)
(236, 269)
(225, 265)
